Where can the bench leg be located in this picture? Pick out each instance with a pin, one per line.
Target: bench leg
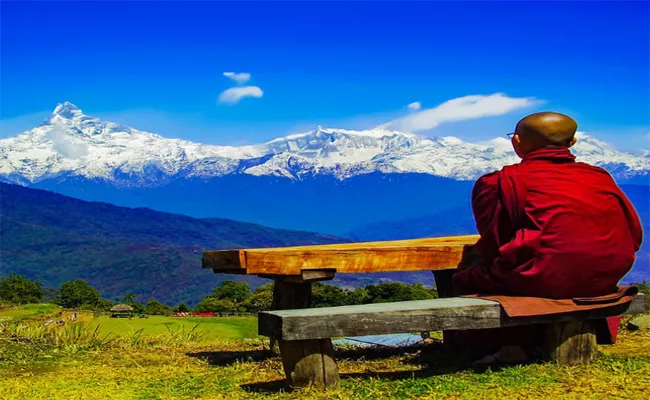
(305, 361)
(443, 286)
(290, 296)
(310, 362)
(571, 342)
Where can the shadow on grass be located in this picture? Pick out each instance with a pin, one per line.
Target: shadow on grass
(433, 358)
(225, 358)
(268, 387)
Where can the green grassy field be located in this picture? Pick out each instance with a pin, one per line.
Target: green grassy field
(210, 327)
(28, 311)
(226, 367)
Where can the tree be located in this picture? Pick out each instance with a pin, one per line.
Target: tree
(17, 289)
(232, 290)
(74, 294)
(211, 304)
(129, 299)
(181, 308)
(357, 296)
(51, 295)
(420, 292)
(328, 296)
(154, 307)
(260, 300)
(103, 305)
(398, 291)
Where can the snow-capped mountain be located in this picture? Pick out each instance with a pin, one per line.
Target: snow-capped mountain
(72, 144)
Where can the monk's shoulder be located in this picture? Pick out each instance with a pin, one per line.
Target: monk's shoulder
(594, 171)
(487, 183)
(491, 177)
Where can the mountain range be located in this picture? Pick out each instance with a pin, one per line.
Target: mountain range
(71, 144)
(328, 180)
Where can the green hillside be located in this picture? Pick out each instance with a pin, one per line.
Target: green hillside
(57, 238)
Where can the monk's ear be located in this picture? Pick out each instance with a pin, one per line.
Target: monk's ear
(573, 141)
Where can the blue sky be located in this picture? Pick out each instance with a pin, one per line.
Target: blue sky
(159, 66)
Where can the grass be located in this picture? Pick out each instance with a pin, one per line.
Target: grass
(243, 371)
(223, 328)
(175, 363)
(211, 328)
(28, 311)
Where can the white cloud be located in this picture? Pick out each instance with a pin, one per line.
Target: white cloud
(240, 78)
(414, 106)
(458, 109)
(235, 94)
(63, 145)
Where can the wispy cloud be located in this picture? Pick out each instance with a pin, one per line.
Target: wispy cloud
(65, 146)
(414, 106)
(235, 94)
(240, 78)
(459, 109)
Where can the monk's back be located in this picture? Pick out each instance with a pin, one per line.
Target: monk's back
(550, 226)
(578, 215)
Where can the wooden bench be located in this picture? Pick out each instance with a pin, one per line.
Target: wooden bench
(304, 335)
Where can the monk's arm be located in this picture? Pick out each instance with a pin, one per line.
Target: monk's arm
(493, 226)
(633, 220)
(486, 209)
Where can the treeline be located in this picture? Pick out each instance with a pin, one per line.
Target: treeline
(17, 289)
(228, 297)
(233, 296)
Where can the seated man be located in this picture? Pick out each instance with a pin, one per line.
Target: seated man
(550, 226)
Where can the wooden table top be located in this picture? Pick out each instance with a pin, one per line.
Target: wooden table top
(396, 255)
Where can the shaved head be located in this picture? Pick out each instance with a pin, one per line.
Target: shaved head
(547, 129)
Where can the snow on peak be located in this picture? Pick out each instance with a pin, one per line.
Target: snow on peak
(500, 142)
(71, 143)
(321, 131)
(67, 110)
(451, 140)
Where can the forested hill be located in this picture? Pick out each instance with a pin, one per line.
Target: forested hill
(57, 238)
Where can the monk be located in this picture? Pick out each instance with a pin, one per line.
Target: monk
(550, 226)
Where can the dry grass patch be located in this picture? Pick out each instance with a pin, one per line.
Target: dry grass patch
(239, 369)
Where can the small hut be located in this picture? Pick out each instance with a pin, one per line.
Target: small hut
(122, 311)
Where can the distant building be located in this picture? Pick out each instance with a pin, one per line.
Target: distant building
(122, 311)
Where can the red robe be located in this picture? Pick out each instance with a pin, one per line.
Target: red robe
(551, 227)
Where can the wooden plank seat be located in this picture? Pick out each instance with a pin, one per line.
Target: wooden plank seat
(304, 335)
(396, 255)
